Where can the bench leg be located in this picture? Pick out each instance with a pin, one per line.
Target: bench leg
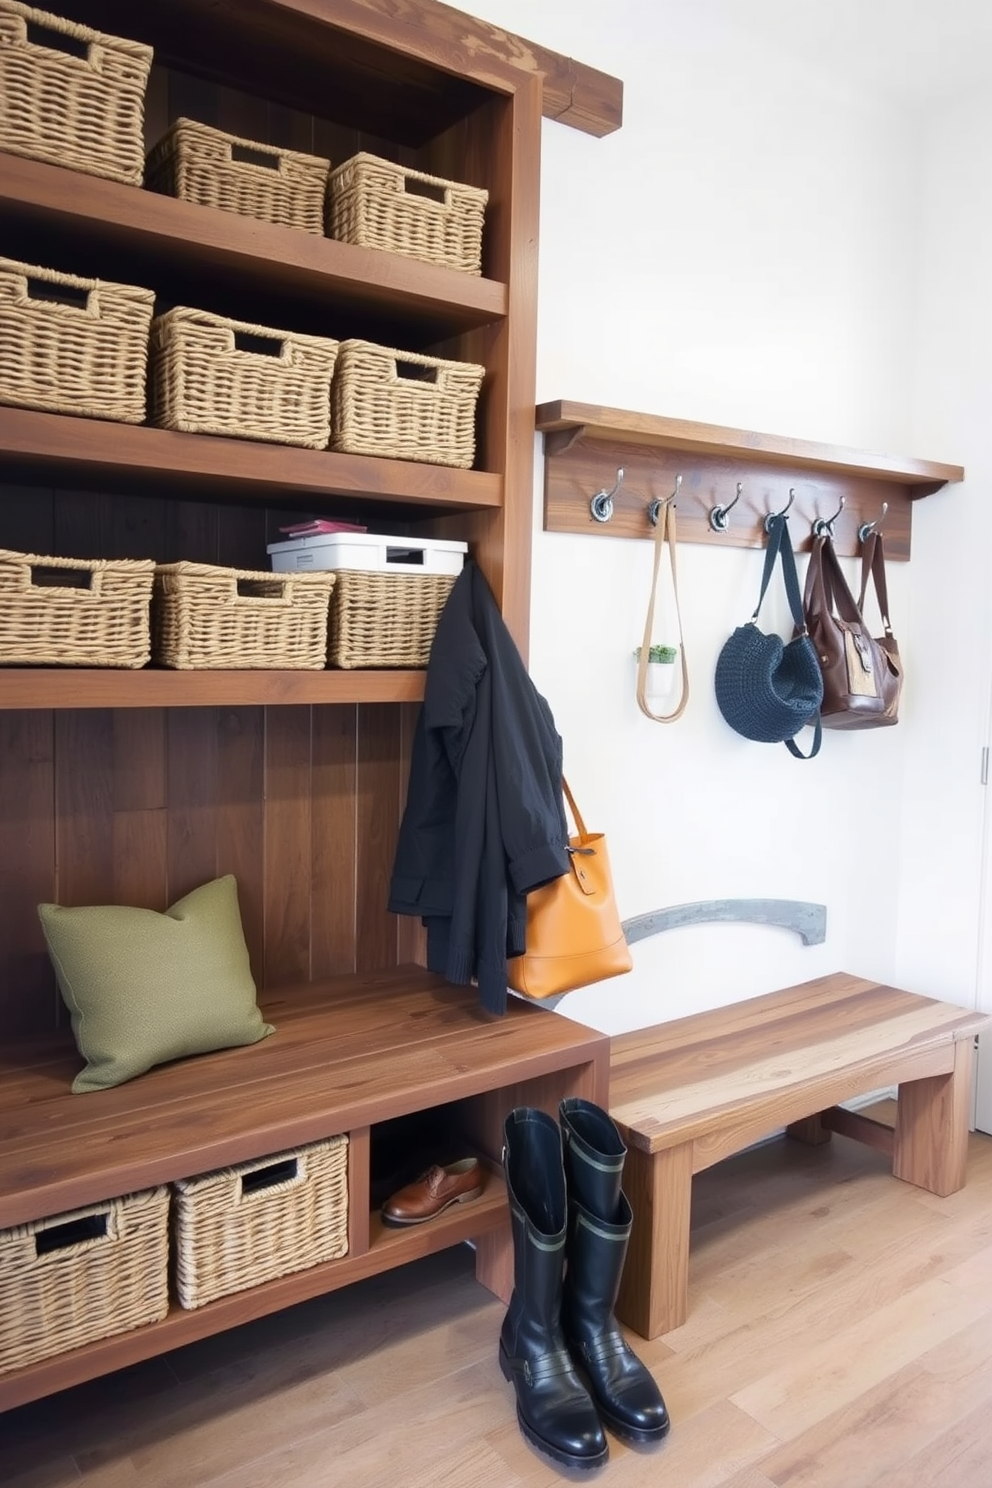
(810, 1130)
(654, 1290)
(931, 1138)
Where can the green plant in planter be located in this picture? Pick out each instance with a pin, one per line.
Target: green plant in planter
(659, 653)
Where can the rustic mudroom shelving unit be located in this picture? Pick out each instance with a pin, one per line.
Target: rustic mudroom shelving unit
(586, 446)
(134, 787)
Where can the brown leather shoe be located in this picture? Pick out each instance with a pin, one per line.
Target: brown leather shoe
(435, 1191)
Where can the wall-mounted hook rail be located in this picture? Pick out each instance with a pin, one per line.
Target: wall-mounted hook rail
(772, 515)
(654, 507)
(824, 526)
(867, 528)
(720, 515)
(601, 504)
(616, 452)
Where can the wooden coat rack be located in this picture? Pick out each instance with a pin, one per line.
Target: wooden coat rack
(586, 446)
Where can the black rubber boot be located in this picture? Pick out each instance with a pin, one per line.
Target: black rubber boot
(553, 1406)
(625, 1393)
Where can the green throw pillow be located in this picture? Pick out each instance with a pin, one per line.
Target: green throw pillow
(143, 988)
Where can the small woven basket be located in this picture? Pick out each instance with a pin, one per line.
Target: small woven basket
(71, 95)
(377, 204)
(226, 618)
(80, 1277)
(91, 612)
(72, 345)
(199, 164)
(259, 1220)
(404, 406)
(211, 375)
(385, 620)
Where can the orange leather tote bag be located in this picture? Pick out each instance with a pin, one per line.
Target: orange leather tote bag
(574, 935)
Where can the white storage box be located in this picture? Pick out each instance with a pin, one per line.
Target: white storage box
(368, 552)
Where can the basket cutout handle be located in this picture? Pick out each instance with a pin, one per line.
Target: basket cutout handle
(87, 1229)
(432, 192)
(275, 1174)
(261, 588)
(413, 372)
(273, 346)
(44, 576)
(247, 155)
(405, 557)
(57, 294)
(56, 41)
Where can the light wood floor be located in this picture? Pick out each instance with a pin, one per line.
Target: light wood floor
(839, 1336)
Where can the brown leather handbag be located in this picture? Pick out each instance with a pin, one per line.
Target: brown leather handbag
(862, 676)
(574, 935)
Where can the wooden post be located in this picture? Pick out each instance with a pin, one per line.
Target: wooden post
(931, 1140)
(654, 1290)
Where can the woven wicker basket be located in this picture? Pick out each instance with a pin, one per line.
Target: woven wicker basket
(216, 376)
(73, 345)
(404, 406)
(91, 612)
(377, 204)
(214, 169)
(226, 618)
(250, 1223)
(385, 620)
(71, 95)
(80, 1277)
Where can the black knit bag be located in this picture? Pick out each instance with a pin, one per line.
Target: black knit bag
(767, 689)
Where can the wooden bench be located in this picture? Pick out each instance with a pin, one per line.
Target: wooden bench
(687, 1093)
(347, 1054)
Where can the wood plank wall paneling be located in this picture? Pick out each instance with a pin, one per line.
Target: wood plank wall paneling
(139, 806)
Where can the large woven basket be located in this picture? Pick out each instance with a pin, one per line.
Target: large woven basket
(405, 406)
(71, 95)
(73, 345)
(90, 612)
(226, 618)
(80, 1277)
(259, 1220)
(377, 204)
(199, 164)
(385, 620)
(211, 375)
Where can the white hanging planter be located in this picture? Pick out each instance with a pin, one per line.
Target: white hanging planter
(660, 679)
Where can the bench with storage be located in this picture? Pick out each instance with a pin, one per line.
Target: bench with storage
(348, 1056)
(687, 1093)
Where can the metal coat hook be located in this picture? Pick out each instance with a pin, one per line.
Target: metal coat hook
(866, 528)
(719, 515)
(824, 526)
(654, 510)
(601, 504)
(772, 515)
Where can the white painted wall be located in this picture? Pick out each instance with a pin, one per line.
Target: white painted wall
(746, 251)
(945, 925)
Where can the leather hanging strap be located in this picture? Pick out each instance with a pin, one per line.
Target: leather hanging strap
(664, 531)
(873, 566)
(574, 809)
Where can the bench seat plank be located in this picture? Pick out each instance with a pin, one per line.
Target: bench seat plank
(688, 1093)
(347, 1052)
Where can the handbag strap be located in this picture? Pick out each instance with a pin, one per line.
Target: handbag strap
(826, 587)
(780, 546)
(664, 530)
(873, 566)
(574, 809)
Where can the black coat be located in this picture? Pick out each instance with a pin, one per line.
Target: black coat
(484, 821)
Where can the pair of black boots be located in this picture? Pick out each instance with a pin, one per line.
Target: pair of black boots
(560, 1345)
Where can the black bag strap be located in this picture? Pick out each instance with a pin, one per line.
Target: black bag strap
(779, 546)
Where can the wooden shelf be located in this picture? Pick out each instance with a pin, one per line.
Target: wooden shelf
(279, 260)
(586, 444)
(241, 469)
(83, 687)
